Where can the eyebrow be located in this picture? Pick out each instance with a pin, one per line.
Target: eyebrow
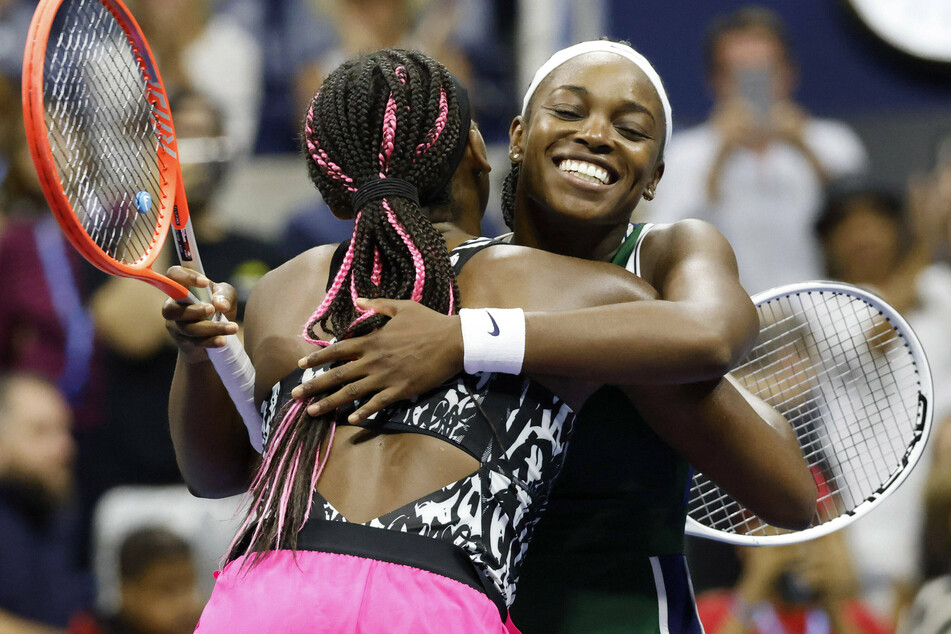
(581, 91)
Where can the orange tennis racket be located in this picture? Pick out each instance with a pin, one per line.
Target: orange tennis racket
(101, 136)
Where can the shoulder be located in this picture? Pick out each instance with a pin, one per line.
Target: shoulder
(686, 245)
(289, 291)
(307, 266)
(684, 237)
(516, 276)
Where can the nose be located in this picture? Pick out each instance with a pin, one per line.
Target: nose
(595, 133)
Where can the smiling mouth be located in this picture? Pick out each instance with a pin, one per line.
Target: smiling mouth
(587, 172)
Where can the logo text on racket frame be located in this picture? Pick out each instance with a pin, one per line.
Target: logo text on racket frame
(162, 119)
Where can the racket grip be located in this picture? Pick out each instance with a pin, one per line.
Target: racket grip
(237, 374)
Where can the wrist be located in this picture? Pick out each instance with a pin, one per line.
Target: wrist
(493, 339)
(197, 356)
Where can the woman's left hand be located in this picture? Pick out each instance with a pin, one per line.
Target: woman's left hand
(416, 351)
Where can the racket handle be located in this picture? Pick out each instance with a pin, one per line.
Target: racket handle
(237, 374)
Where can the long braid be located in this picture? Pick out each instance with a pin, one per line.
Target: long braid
(390, 114)
(509, 187)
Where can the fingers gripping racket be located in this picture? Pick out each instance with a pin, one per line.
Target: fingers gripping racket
(848, 373)
(100, 133)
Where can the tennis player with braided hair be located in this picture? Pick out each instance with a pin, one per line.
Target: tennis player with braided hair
(419, 519)
(586, 147)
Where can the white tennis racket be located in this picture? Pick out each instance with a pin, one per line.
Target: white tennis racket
(850, 376)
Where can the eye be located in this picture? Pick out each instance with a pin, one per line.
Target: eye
(632, 133)
(568, 113)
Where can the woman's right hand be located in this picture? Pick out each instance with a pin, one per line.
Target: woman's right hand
(191, 325)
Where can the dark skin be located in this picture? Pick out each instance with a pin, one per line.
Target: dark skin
(671, 354)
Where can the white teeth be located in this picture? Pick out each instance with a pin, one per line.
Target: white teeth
(587, 171)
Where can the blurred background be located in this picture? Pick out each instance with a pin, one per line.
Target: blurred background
(818, 123)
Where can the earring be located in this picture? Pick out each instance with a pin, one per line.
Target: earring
(515, 154)
(648, 194)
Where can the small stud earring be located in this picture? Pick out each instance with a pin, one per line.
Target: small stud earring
(515, 155)
(649, 194)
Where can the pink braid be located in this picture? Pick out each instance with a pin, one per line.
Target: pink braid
(286, 493)
(413, 251)
(320, 157)
(318, 469)
(334, 288)
(389, 134)
(433, 135)
(377, 273)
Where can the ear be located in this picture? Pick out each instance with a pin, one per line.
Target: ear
(476, 154)
(655, 179)
(516, 139)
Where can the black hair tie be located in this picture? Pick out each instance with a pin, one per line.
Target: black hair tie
(383, 188)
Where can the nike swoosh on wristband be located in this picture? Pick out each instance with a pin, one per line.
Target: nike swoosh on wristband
(495, 327)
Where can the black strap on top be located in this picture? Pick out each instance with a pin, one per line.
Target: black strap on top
(465, 251)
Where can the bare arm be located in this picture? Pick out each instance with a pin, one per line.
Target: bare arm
(211, 442)
(702, 325)
(734, 438)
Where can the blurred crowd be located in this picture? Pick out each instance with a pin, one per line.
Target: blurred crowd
(86, 362)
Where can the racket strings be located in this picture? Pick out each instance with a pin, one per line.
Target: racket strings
(101, 129)
(846, 380)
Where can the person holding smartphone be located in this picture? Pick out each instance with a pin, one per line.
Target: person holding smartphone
(757, 168)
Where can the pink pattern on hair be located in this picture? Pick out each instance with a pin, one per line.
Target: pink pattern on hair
(334, 288)
(320, 157)
(433, 135)
(400, 72)
(376, 275)
(318, 469)
(389, 134)
(413, 251)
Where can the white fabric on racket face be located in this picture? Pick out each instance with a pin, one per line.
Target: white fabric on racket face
(848, 373)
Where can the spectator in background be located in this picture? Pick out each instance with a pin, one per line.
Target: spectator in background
(756, 169)
(931, 611)
(929, 201)
(209, 52)
(305, 38)
(45, 326)
(41, 583)
(140, 355)
(868, 240)
(801, 588)
(15, 16)
(158, 588)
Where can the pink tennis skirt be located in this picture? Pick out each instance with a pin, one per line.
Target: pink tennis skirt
(316, 591)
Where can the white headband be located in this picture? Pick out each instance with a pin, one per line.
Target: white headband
(603, 46)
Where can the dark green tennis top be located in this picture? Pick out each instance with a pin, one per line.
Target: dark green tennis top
(607, 555)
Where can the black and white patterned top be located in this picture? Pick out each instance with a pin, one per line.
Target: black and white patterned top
(492, 513)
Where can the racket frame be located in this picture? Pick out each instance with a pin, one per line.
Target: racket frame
(172, 204)
(231, 361)
(913, 451)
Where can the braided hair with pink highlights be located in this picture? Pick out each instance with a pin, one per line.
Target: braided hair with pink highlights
(382, 139)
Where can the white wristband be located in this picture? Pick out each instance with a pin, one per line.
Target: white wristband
(493, 339)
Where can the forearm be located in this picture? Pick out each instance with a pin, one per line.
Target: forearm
(717, 430)
(211, 443)
(635, 343)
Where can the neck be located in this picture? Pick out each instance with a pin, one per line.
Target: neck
(579, 238)
(453, 234)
